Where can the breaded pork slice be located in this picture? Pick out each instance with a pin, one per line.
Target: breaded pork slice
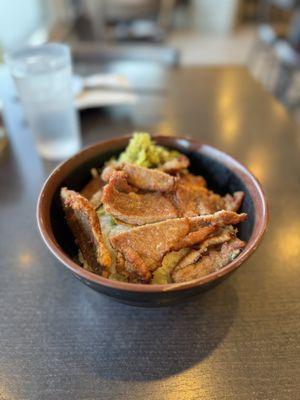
(192, 197)
(84, 224)
(144, 247)
(209, 263)
(135, 208)
(142, 178)
(219, 218)
(221, 236)
(93, 191)
(234, 202)
(176, 164)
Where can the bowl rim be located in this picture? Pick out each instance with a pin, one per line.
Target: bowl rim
(260, 225)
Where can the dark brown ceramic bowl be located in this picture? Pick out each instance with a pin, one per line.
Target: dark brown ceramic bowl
(223, 174)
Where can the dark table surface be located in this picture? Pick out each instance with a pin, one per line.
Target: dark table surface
(61, 340)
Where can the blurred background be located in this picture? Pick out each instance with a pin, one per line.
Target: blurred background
(263, 35)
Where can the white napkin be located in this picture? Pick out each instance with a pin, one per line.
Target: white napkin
(93, 91)
(100, 98)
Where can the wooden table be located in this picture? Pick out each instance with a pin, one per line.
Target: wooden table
(61, 340)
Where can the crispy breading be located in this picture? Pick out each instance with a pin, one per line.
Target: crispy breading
(84, 224)
(149, 179)
(93, 191)
(193, 198)
(176, 164)
(119, 181)
(234, 202)
(219, 218)
(192, 181)
(109, 169)
(144, 247)
(96, 199)
(195, 236)
(141, 177)
(190, 198)
(92, 187)
(135, 208)
(213, 261)
(221, 236)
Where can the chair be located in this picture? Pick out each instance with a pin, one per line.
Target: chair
(272, 27)
(287, 55)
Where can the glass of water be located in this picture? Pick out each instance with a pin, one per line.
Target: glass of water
(43, 76)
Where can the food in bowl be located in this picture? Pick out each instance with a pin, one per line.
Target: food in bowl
(144, 218)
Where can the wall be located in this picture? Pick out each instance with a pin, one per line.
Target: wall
(19, 19)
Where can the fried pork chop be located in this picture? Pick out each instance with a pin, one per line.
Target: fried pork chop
(192, 181)
(152, 180)
(135, 208)
(193, 198)
(189, 198)
(209, 263)
(84, 224)
(143, 247)
(221, 236)
(176, 164)
(233, 203)
(93, 191)
(152, 225)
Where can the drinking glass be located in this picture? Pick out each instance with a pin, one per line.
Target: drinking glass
(43, 77)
